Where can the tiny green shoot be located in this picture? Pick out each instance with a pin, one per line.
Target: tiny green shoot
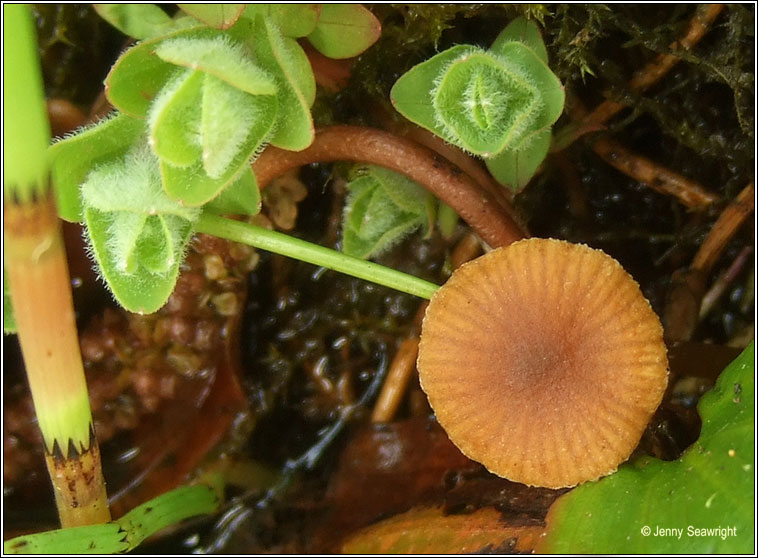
(498, 103)
(383, 207)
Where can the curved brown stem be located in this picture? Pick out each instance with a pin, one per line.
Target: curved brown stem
(367, 145)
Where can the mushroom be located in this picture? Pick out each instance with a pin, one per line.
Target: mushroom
(543, 361)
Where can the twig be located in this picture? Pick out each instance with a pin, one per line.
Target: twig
(688, 192)
(724, 280)
(468, 248)
(446, 181)
(400, 372)
(724, 229)
(652, 72)
(684, 300)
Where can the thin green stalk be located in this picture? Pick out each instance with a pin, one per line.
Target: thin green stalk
(285, 245)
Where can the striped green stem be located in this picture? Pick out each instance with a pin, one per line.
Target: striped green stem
(40, 286)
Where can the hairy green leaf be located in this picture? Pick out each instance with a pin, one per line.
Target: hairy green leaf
(383, 207)
(218, 16)
(222, 131)
(701, 503)
(74, 157)
(174, 120)
(286, 61)
(344, 30)
(524, 31)
(136, 233)
(242, 197)
(140, 21)
(139, 74)
(293, 20)
(485, 104)
(219, 56)
(234, 128)
(498, 103)
(515, 168)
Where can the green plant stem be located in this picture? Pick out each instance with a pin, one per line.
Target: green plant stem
(26, 131)
(286, 245)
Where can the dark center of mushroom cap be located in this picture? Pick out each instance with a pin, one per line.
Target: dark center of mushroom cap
(543, 361)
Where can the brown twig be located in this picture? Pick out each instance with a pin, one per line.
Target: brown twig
(688, 192)
(685, 295)
(724, 280)
(652, 72)
(395, 382)
(445, 180)
(724, 228)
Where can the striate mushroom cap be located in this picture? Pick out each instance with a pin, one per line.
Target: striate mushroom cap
(543, 361)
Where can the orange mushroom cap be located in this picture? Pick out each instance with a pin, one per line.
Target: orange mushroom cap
(543, 361)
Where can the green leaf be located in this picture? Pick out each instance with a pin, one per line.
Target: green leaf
(499, 104)
(174, 120)
(412, 93)
(9, 322)
(709, 489)
(542, 78)
(383, 206)
(219, 56)
(524, 31)
(124, 534)
(105, 538)
(136, 233)
(137, 77)
(287, 62)
(74, 157)
(447, 220)
(140, 21)
(218, 16)
(242, 197)
(344, 30)
(293, 20)
(223, 129)
(516, 168)
(235, 127)
(486, 104)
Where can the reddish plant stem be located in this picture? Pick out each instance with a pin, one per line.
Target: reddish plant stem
(446, 181)
(468, 164)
